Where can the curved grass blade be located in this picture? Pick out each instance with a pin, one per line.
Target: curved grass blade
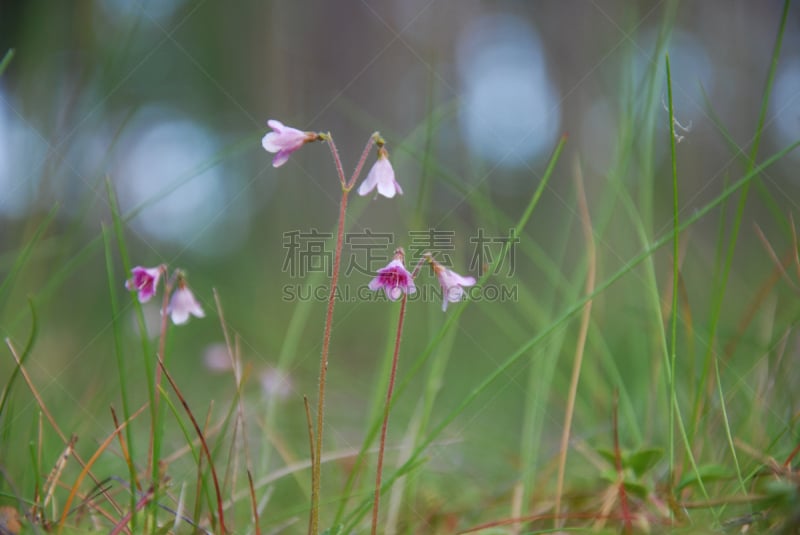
(9, 55)
(25, 352)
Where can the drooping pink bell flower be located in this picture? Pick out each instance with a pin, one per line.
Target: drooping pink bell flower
(381, 176)
(451, 282)
(182, 304)
(394, 278)
(144, 281)
(284, 140)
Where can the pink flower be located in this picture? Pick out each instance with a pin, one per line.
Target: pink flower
(182, 304)
(275, 383)
(394, 278)
(452, 284)
(284, 140)
(144, 282)
(217, 359)
(381, 176)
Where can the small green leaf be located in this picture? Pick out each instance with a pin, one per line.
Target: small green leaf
(609, 476)
(631, 485)
(780, 488)
(637, 489)
(643, 460)
(609, 456)
(639, 461)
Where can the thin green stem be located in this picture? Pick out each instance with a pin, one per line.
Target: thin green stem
(751, 165)
(157, 412)
(154, 453)
(675, 273)
(118, 351)
(389, 392)
(675, 418)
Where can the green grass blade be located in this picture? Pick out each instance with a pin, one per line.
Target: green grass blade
(189, 435)
(737, 221)
(119, 353)
(4, 63)
(673, 353)
(147, 356)
(674, 406)
(766, 195)
(25, 352)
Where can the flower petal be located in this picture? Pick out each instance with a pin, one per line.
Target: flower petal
(394, 279)
(386, 188)
(284, 140)
(281, 158)
(369, 183)
(144, 281)
(182, 304)
(270, 142)
(452, 284)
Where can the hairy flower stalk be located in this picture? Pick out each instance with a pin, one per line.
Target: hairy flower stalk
(316, 469)
(406, 286)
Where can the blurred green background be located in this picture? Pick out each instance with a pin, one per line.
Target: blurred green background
(169, 99)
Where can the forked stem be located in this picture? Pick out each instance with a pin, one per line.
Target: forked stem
(316, 464)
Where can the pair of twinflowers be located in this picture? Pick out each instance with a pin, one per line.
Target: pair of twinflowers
(284, 140)
(395, 279)
(182, 302)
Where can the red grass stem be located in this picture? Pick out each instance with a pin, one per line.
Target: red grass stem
(253, 502)
(316, 465)
(144, 500)
(389, 392)
(152, 460)
(336, 160)
(203, 443)
(364, 154)
(316, 468)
